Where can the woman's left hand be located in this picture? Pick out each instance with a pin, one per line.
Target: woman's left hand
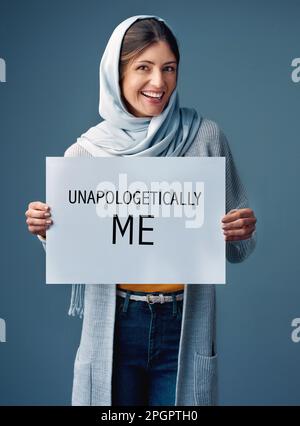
(238, 224)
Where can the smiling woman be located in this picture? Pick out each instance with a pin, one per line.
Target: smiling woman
(148, 81)
(152, 344)
(148, 67)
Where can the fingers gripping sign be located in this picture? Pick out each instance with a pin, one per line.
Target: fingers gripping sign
(38, 218)
(239, 224)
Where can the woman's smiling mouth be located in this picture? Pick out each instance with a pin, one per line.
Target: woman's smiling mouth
(153, 97)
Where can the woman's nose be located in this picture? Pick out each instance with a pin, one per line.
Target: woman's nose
(157, 79)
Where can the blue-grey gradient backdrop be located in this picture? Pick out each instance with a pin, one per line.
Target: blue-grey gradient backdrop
(236, 70)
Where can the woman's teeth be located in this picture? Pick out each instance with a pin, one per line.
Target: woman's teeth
(153, 95)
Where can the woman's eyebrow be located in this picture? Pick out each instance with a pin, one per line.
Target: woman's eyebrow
(149, 62)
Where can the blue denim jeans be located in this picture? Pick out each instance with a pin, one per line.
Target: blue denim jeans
(146, 343)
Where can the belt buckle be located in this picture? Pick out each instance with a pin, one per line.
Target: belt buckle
(148, 299)
(161, 297)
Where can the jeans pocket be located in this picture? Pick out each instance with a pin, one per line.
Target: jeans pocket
(205, 379)
(82, 383)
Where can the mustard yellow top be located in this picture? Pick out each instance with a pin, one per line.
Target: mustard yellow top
(150, 288)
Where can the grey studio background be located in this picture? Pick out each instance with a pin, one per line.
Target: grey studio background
(236, 70)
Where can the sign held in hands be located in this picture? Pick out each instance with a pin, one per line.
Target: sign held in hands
(135, 220)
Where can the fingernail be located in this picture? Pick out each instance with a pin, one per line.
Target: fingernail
(48, 221)
(46, 214)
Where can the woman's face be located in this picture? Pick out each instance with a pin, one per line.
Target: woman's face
(149, 80)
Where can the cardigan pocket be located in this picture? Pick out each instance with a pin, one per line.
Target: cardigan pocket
(82, 383)
(205, 379)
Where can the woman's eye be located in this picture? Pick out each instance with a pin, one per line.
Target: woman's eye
(170, 69)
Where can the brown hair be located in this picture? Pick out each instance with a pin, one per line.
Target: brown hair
(140, 35)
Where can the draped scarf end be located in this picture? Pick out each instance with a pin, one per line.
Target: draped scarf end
(77, 300)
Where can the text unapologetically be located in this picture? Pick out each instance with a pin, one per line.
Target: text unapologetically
(190, 198)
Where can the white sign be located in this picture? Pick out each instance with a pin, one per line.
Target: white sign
(135, 220)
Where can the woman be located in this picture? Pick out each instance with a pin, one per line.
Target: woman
(133, 350)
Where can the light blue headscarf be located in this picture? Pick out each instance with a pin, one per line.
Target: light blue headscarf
(169, 134)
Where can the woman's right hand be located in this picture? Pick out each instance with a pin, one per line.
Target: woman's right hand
(38, 218)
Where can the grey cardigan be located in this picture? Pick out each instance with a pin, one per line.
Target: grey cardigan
(197, 358)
